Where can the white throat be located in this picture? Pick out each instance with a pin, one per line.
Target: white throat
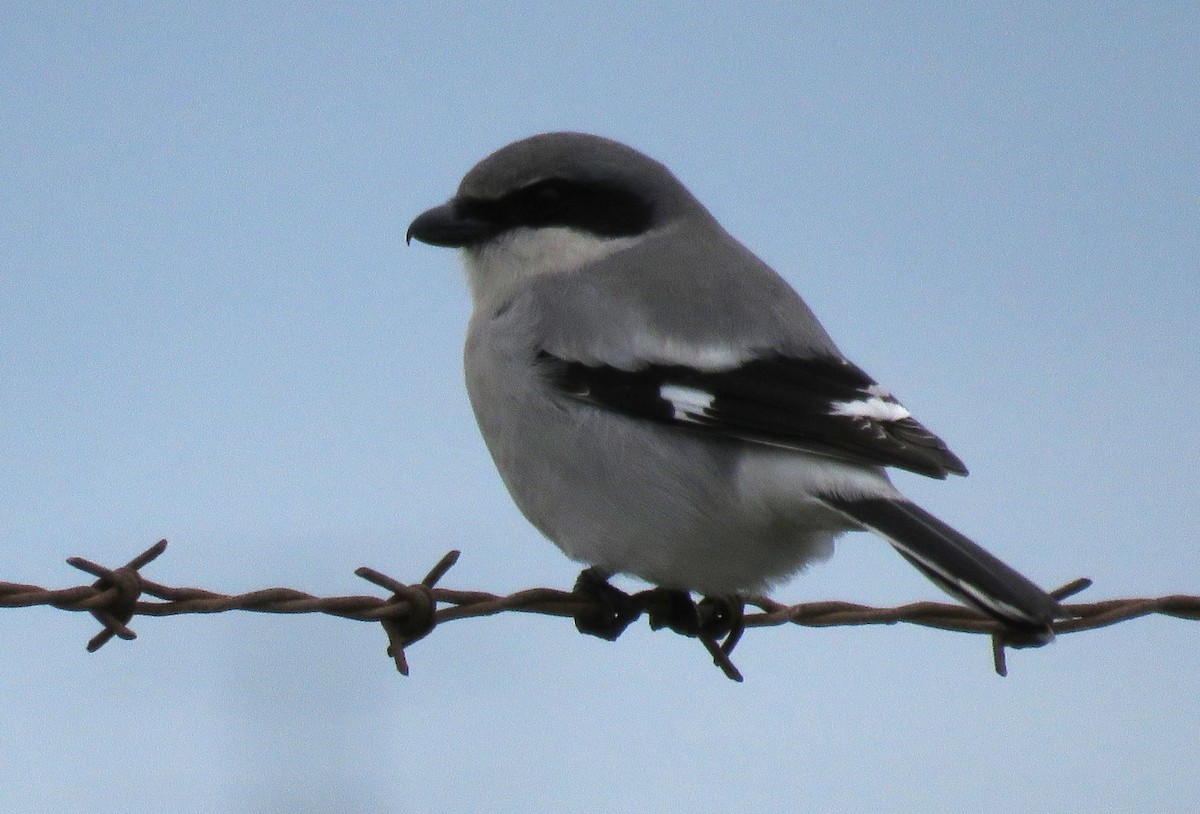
(503, 264)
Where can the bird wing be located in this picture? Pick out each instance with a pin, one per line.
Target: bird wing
(818, 404)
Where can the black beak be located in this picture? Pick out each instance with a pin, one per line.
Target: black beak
(445, 226)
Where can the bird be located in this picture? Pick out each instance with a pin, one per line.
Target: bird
(660, 403)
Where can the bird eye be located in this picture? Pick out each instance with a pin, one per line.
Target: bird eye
(548, 197)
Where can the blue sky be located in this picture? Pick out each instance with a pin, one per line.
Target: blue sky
(211, 331)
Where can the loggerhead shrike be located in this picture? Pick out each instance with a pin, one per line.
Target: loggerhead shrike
(659, 402)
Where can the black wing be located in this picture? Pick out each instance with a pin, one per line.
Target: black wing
(819, 404)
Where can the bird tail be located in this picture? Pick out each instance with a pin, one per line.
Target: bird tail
(957, 565)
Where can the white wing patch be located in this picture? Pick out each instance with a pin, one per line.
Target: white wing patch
(687, 402)
(879, 406)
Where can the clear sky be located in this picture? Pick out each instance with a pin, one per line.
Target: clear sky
(211, 331)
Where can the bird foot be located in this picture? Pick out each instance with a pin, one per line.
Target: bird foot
(672, 609)
(717, 621)
(723, 618)
(610, 609)
(716, 617)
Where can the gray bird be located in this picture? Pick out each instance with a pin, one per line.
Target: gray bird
(660, 403)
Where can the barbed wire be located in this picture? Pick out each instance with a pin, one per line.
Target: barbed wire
(414, 610)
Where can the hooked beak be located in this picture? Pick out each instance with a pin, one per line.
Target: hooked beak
(446, 226)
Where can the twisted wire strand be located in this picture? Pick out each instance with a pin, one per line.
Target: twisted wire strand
(414, 610)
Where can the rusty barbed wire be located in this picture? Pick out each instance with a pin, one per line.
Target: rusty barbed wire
(414, 610)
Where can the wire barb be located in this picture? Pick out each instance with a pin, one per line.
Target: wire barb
(413, 611)
(118, 591)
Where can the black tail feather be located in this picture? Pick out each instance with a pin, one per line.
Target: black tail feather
(956, 564)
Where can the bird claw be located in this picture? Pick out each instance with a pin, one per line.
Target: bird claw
(673, 609)
(609, 610)
(717, 621)
(723, 617)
